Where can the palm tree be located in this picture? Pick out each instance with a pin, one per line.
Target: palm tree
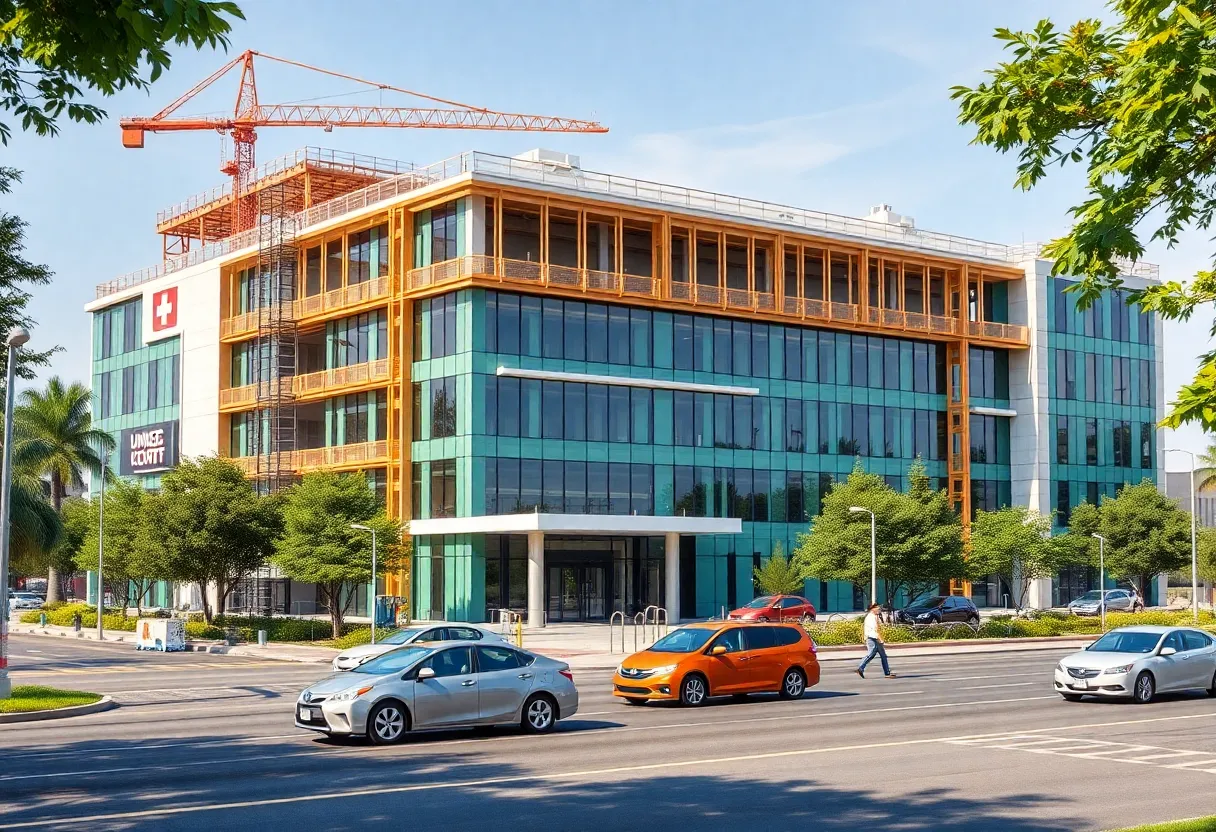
(55, 437)
(1205, 476)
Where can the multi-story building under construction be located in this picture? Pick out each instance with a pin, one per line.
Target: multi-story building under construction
(592, 393)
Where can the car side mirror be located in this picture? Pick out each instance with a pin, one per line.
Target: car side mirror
(426, 673)
(719, 650)
(1167, 651)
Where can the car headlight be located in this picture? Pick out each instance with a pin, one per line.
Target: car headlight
(352, 693)
(659, 671)
(619, 669)
(923, 616)
(1123, 668)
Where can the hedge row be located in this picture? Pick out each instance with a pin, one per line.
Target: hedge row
(830, 634)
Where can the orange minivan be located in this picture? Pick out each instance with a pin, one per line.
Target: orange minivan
(720, 658)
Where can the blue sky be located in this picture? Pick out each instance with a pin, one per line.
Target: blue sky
(823, 105)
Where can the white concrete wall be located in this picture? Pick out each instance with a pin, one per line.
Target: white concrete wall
(1030, 430)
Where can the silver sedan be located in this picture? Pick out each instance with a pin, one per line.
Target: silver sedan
(1140, 662)
(449, 684)
(355, 656)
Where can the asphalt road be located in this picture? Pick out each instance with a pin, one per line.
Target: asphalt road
(954, 743)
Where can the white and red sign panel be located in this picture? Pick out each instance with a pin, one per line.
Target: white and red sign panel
(164, 309)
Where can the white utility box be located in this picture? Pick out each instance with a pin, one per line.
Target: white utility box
(165, 634)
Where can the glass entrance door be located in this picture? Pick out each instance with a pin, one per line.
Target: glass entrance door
(577, 592)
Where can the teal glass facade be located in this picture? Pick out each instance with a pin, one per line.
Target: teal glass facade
(489, 442)
(134, 385)
(1102, 393)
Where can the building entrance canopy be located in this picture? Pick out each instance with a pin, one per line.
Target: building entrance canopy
(537, 525)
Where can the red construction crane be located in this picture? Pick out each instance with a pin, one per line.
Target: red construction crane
(249, 114)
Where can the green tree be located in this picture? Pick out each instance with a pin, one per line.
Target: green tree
(1205, 473)
(776, 576)
(319, 546)
(209, 527)
(50, 51)
(54, 437)
(919, 537)
(1146, 534)
(16, 274)
(36, 529)
(130, 566)
(1133, 103)
(1013, 543)
(1207, 554)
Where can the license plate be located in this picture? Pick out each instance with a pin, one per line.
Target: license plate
(1083, 684)
(309, 714)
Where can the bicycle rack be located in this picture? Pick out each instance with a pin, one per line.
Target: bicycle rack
(653, 623)
(636, 625)
(612, 629)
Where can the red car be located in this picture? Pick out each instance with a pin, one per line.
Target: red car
(776, 608)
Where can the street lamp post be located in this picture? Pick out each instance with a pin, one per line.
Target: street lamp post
(101, 546)
(372, 599)
(1194, 546)
(1102, 579)
(873, 553)
(16, 338)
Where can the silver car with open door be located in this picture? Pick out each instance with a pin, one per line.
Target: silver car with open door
(449, 684)
(1140, 662)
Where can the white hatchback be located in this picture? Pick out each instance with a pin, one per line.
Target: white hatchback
(352, 657)
(1140, 662)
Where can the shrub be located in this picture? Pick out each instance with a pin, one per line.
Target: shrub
(54, 605)
(360, 635)
(200, 629)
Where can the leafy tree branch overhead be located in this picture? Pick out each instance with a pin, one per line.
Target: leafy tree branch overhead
(1132, 101)
(52, 54)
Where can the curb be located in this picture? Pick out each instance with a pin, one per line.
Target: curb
(104, 704)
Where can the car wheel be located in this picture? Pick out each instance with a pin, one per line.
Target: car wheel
(762, 618)
(693, 690)
(974, 621)
(794, 684)
(1212, 688)
(1071, 697)
(634, 700)
(387, 723)
(1145, 688)
(806, 618)
(540, 714)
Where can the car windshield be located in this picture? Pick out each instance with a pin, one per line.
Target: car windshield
(934, 601)
(764, 601)
(401, 636)
(682, 641)
(1126, 642)
(393, 661)
(1092, 595)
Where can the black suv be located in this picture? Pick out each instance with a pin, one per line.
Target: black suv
(939, 609)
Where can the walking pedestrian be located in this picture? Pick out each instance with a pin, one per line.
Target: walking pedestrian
(873, 634)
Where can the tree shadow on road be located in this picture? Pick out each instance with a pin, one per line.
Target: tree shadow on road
(433, 783)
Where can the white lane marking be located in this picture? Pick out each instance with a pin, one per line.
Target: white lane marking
(458, 784)
(423, 749)
(1102, 750)
(1007, 685)
(974, 678)
(189, 744)
(525, 778)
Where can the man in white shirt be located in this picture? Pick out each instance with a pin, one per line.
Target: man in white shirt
(874, 643)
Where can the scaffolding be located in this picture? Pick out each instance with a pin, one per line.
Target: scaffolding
(275, 439)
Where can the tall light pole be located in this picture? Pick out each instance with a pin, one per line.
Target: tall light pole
(873, 553)
(1102, 579)
(1194, 537)
(371, 601)
(16, 338)
(101, 547)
